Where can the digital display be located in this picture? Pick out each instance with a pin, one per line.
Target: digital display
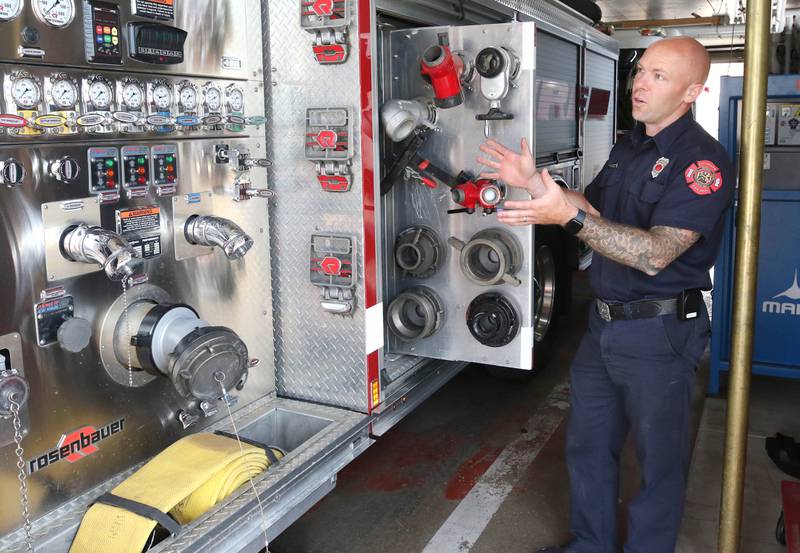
(156, 43)
(103, 32)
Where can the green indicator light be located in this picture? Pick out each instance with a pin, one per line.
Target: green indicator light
(170, 159)
(140, 161)
(109, 163)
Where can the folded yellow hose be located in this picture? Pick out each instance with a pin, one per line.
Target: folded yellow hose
(186, 480)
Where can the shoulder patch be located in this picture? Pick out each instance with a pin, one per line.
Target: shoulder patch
(703, 177)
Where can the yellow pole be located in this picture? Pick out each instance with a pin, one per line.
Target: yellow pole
(748, 228)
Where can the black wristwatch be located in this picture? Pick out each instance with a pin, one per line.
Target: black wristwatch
(575, 224)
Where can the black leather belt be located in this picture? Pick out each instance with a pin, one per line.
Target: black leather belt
(643, 309)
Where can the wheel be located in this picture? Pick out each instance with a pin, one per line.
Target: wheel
(549, 286)
(552, 290)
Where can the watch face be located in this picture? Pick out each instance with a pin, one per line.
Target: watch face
(9, 9)
(162, 97)
(132, 96)
(64, 93)
(213, 99)
(56, 13)
(26, 92)
(100, 94)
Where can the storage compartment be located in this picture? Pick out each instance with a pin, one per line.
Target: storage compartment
(284, 429)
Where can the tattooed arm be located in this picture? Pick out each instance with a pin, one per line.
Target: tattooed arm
(650, 251)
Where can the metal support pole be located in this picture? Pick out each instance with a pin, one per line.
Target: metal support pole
(748, 226)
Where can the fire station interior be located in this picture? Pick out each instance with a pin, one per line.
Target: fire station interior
(256, 296)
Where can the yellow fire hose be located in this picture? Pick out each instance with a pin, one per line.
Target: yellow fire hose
(185, 480)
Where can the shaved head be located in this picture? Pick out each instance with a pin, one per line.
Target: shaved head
(690, 54)
(669, 77)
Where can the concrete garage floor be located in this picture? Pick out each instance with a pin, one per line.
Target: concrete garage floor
(479, 467)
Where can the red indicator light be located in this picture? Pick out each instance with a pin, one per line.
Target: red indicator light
(141, 180)
(170, 178)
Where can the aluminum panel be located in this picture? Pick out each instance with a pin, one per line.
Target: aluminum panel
(70, 391)
(216, 43)
(454, 149)
(319, 356)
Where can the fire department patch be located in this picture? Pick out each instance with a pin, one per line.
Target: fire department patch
(703, 177)
(659, 166)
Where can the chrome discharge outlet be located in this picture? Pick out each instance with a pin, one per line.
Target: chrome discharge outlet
(401, 117)
(492, 256)
(419, 251)
(171, 340)
(415, 314)
(85, 244)
(208, 230)
(492, 320)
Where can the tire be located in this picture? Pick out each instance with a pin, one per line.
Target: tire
(552, 291)
(550, 288)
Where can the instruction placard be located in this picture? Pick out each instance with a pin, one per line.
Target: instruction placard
(155, 9)
(134, 221)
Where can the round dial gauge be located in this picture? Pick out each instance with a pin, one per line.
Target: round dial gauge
(100, 94)
(64, 93)
(236, 100)
(26, 92)
(132, 96)
(213, 99)
(162, 97)
(9, 9)
(188, 98)
(56, 13)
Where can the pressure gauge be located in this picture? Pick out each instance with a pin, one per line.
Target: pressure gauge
(64, 92)
(162, 97)
(187, 96)
(213, 98)
(132, 95)
(56, 13)
(235, 99)
(100, 94)
(26, 92)
(9, 9)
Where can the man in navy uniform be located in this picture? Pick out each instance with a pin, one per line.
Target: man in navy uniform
(654, 218)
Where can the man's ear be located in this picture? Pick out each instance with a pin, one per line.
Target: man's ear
(692, 92)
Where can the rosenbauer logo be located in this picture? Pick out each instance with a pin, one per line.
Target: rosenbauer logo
(76, 445)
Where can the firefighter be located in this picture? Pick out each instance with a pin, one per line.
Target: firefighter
(654, 218)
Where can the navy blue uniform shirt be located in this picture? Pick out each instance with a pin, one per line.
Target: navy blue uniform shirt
(681, 177)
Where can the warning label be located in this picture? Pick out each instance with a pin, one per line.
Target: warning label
(155, 9)
(138, 220)
(147, 247)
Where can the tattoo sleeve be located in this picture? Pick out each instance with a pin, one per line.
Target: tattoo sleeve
(649, 251)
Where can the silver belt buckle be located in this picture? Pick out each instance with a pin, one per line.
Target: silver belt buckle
(604, 310)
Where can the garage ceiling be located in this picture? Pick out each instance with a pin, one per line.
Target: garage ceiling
(627, 10)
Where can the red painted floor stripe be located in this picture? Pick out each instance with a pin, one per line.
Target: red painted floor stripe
(470, 472)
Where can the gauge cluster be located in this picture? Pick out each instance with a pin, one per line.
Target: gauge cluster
(37, 101)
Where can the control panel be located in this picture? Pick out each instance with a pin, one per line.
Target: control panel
(55, 105)
(104, 170)
(165, 165)
(136, 169)
(102, 32)
(789, 125)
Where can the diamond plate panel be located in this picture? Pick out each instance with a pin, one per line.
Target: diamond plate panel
(319, 356)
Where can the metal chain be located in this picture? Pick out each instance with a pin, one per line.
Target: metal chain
(22, 477)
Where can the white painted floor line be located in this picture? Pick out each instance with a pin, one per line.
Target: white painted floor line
(468, 521)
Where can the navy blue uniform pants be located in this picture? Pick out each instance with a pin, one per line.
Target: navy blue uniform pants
(637, 376)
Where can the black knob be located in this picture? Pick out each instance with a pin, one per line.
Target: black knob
(30, 35)
(11, 172)
(65, 169)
